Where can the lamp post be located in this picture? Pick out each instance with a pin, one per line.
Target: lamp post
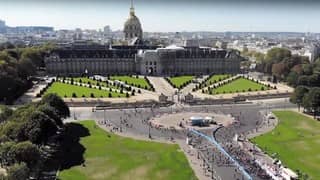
(149, 134)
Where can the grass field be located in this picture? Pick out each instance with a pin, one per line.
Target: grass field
(239, 85)
(296, 140)
(63, 90)
(178, 81)
(108, 156)
(86, 80)
(133, 81)
(216, 78)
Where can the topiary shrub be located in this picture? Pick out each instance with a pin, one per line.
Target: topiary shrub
(74, 95)
(91, 95)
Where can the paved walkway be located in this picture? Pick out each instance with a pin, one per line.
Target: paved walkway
(161, 85)
(31, 93)
(188, 89)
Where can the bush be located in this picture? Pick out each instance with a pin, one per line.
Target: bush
(262, 88)
(139, 91)
(74, 95)
(109, 95)
(127, 95)
(92, 95)
(83, 96)
(249, 89)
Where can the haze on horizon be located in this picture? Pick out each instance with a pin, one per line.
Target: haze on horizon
(167, 15)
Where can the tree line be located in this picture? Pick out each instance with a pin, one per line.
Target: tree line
(30, 135)
(17, 65)
(298, 72)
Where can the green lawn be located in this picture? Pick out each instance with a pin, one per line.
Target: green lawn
(296, 140)
(178, 81)
(86, 80)
(239, 85)
(118, 158)
(216, 78)
(133, 81)
(63, 90)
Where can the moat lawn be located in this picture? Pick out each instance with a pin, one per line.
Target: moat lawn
(179, 81)
(109, 156)
(66, 90)
(238, 86)
(133, 81)
(296, 141)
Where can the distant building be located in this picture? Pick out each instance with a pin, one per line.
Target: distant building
(3, 26)
(191, 42)
(30, 29)
(146, 60)
(81, 57)
(107, 31)
(315, 51)
(222, 44)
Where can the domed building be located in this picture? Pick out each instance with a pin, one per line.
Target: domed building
(132, 27)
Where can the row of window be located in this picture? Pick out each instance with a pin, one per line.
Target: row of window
(150, 63)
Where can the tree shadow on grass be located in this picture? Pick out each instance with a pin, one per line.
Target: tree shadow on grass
(71, 149)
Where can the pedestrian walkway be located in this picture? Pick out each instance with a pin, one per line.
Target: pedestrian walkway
(161, 85)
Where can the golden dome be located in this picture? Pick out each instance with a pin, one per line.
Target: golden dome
(132, 26)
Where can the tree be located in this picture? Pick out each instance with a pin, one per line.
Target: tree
(279, 70)
(25, 68)
(277, 54)
(6, 158)
(5, 112)
(307, 69)
(18, 171)
(40, 127)
(292, 78)
(311, 100)
(299, 93)
(56, 102)
(303, 80)
(297, 69)
(26, 152)
(51, 112)
(14, 131)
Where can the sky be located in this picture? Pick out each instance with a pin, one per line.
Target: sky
(167, 15)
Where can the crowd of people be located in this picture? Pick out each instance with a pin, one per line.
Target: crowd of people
(213, 156)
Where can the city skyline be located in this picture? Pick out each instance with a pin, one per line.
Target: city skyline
(167, 16)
